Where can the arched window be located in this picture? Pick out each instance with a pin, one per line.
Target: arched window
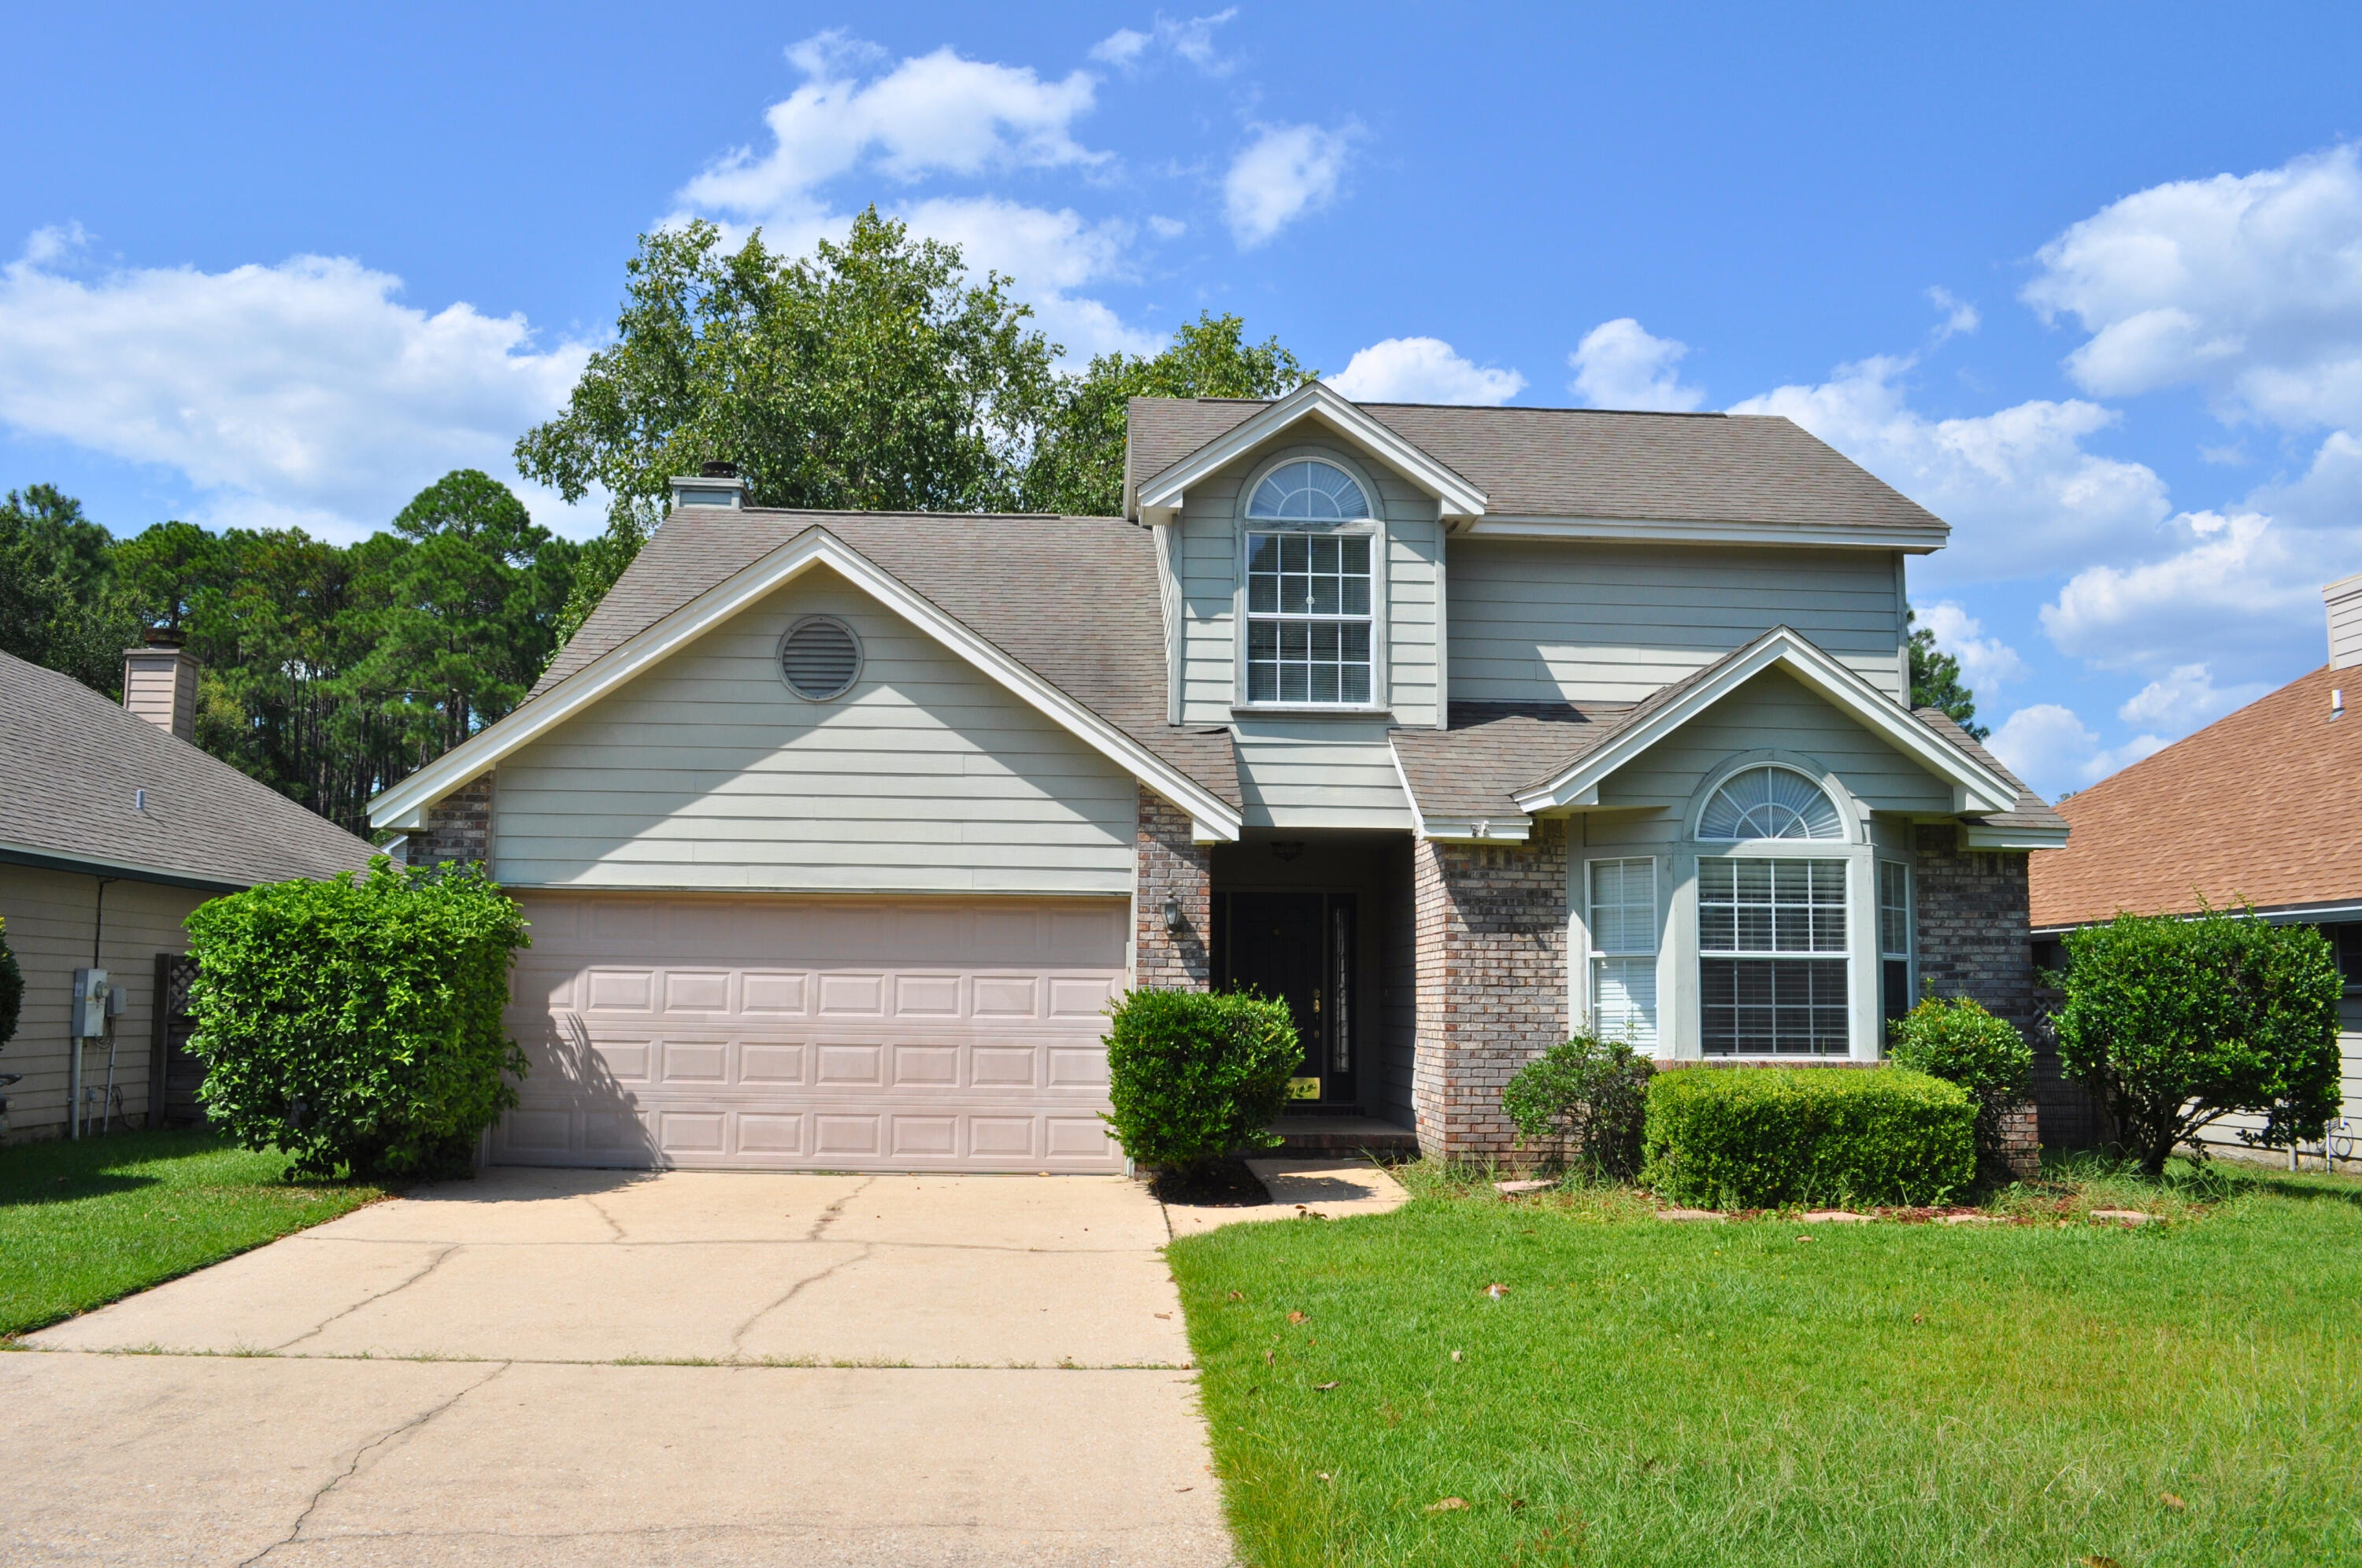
(1308, 491)
(1769, 802)
(1311, 600)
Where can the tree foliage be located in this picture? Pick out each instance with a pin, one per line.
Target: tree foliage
(329, 672)
(1935, 679)
(874, 375)
(356, 1022)
(1961, 1043)
(1077, 463)
(2175, 1023)
(12, 987)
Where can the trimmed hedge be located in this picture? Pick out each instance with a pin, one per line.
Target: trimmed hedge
(1197, 1074)
(1769, 1137)
(356, 1022)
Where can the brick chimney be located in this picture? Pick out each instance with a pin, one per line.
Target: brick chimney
(159, 683)
(2344, 598)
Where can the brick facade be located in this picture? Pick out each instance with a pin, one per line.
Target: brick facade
(1492, 989)
(459, 827)
(1171, 869)
(1974, 941)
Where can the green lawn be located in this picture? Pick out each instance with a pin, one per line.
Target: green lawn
(83, 1223)
(1645, 1392)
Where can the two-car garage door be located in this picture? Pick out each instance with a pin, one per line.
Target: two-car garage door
(721, 1032)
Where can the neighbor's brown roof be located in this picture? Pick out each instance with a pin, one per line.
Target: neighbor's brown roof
(2263, 807)
(1589, 462)
(73, 761)
(1073, 599)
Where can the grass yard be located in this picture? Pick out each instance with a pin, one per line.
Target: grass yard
(2188, 1392)
(83, 1223)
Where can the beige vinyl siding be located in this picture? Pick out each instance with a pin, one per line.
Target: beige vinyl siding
(708, 772)
(50, 916)
(1772, 713)
(1581, 621)
(1319, 773)
(2222, 1137)
(1207, 560)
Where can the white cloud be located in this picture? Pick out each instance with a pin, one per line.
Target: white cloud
(1960, 316)
(2024, 496)
(2249, 286)
(2185, 698)
(1620, 365)
(299, 392)
(1192, 40)
(1286, 172)
(1423, 370)
(2054, 751)
(934, 114)
(1167, 229)
(1050, 254)
(2233, 587)
(1986, 663)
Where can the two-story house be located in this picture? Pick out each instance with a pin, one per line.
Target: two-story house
(1457, 728)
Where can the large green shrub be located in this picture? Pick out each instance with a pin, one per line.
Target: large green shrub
(1766, 1137)
(2173, 1023)
(1585, 1099)
(356, 1021)
(1962, 1044)
(12, 987)
(1195, 1075)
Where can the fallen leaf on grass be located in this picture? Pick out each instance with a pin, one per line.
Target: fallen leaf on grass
(1323, 1474)
(1238, 1296)
(1803, 1238)
(1269, 1359)
(1322, 1388)
(1497, 1290)
(1455, 1355)
(1297, 1317)
(1447, 1506)
(2095, 1561)
(2170, 1501)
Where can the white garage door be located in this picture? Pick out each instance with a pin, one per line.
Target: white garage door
(726, 1033)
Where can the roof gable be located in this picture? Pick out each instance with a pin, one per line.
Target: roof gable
(710, 568)
(1761, 474)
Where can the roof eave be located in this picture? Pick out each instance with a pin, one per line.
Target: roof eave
(1916, 541)
(1159, 498)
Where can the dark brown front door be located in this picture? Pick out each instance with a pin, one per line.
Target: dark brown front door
(1297, 948)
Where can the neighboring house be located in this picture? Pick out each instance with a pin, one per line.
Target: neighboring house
(2263, 807)
(1456, 727)
(113, 827)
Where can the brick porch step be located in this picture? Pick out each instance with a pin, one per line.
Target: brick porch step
(1344, 1135)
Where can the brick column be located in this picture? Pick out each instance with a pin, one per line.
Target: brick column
(1171, 868)
(459, 827)
(1490, 924)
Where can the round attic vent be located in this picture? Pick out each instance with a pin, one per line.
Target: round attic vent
(820, 657)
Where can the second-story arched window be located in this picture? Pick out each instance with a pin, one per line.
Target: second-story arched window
(1309, 588)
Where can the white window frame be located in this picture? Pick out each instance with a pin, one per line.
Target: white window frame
(1375, 528)
(1600, 955)
(1843, 953)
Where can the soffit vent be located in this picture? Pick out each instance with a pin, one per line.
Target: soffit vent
(820, 657)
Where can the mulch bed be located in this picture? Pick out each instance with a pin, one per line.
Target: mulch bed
(1218, 1184)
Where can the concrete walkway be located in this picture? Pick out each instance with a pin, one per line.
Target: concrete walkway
(545, 1367)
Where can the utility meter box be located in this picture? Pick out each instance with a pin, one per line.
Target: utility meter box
(90, 1004)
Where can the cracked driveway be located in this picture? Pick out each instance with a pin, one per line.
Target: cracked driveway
(585, 1367)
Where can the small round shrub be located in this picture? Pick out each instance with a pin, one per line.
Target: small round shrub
(1961, 1043)
(1195, 1075)
(1588, 1100)
(356, 1022)
(12, 988)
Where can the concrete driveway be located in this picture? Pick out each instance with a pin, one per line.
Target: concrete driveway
(569, 1367)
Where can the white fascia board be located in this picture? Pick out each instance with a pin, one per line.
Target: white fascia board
(1508, 828)
(815, 547)
(1164, 493)
(1977, 835)
(1916, 542)
(1977, 788)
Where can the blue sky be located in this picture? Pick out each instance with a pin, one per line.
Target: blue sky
(2085, 280)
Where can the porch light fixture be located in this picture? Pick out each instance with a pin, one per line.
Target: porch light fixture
(1175, 923)
(1288, 849)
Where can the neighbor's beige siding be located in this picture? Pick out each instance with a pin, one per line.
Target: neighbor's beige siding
(709, 772)
(50, 916)
(1576, 621)
(2223, 1136)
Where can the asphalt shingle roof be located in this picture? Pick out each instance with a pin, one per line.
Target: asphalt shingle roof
(69, 761)
(1073, 599)
(1586, 462)
(2261, 806)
